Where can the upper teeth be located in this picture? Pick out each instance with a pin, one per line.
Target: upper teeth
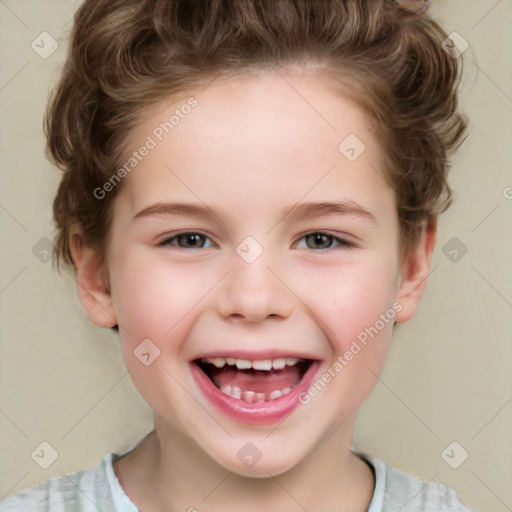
(245, 364)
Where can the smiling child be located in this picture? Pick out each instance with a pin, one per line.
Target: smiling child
(250, 195)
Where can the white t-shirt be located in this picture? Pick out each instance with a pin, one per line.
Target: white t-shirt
(98, 489)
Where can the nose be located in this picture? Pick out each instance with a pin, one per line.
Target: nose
(253, 292)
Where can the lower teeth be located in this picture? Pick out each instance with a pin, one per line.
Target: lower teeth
(253, 396)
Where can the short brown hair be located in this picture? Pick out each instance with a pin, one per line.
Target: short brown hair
(126, 55)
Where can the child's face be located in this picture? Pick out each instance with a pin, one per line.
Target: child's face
(255, 283)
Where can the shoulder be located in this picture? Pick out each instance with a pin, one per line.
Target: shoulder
(396, 490)
(88, 490)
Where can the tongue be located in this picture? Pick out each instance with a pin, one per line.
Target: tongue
(256, 380)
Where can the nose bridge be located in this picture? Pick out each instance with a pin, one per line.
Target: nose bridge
(253, 291)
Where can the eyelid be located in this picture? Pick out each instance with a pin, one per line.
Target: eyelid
(165, 240)
(345, 242)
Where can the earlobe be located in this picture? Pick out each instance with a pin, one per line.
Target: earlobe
(414, 274)
(92, 285)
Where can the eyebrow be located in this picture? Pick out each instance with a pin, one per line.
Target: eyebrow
(174, 209)
(302, 211)
(294, 213)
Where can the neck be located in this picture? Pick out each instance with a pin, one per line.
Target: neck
(168, 471)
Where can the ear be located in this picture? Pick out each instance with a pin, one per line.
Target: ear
(414, 273)
(92, 285)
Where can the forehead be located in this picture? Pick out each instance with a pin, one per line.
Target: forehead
(258, 136)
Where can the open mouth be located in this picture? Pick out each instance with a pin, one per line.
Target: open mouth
(254, 382)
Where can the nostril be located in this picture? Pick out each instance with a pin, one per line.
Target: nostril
(254, 300)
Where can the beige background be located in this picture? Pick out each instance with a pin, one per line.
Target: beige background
(449, 373)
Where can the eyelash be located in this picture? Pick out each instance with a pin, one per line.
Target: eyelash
(168, 241)
(341, 242)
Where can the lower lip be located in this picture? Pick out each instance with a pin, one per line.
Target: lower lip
(264, 413)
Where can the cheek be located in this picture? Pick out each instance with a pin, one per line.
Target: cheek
(159, 302)
(354, 306)
(355, 302)
(152, 299)
(154, 303)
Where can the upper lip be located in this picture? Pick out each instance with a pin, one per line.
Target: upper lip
(256, 356)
